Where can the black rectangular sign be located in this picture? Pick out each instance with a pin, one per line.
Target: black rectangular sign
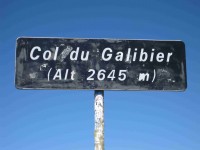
(106, 64)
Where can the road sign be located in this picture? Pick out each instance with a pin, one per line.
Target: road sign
(100, 64)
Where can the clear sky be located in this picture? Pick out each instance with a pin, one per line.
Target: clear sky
(64, 120)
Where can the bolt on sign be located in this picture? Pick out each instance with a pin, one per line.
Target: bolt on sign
(100, 64)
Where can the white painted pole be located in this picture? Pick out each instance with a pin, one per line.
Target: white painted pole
(99, 119)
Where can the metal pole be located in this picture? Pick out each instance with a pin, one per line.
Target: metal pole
(99, 119)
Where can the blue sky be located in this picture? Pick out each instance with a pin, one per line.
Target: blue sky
(60, 119)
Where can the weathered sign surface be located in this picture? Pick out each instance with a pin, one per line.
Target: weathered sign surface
(103, 64)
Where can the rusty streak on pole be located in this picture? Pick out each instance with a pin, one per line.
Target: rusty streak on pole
(99, 119)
